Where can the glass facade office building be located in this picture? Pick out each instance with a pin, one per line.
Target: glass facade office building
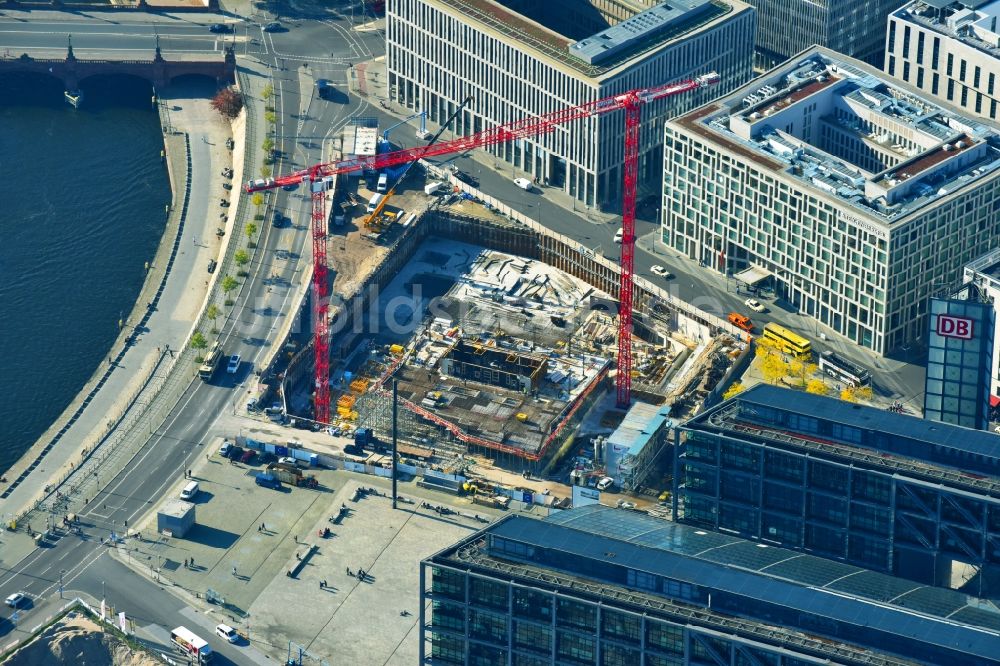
(598, 586)
(960, 361)
(884, 491)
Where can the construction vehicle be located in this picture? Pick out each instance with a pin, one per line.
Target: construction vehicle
(291, 475)
(376, 220)
(422, 133)
(527, 128)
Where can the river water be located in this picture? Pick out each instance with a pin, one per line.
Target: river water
(82, 196)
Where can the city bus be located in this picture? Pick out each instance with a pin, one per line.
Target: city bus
(211, 362)
(788, 341)
(191, 644)
(843, 370)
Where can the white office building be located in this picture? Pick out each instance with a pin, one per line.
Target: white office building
(950, 50)
(851, 194)
(519, 59)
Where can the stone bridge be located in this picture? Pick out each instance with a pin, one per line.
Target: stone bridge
(158, 71)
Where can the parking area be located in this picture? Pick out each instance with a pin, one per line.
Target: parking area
(248, 539)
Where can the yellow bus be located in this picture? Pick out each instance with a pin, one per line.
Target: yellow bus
(787, 341)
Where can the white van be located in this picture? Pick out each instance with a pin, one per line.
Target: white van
(189, 491)
(523, 183)
(383, 183)
(373, 202)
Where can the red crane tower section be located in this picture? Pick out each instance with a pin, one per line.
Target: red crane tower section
(631, 102)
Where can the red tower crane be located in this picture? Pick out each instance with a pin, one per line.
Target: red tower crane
(316, 178)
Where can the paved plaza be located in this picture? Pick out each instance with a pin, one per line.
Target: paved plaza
(265, 533)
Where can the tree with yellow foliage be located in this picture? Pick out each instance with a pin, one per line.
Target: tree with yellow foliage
(734, 388)
(851, 394)
(817, 386)
(773, 367)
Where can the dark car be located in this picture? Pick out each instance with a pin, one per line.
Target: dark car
(277, 220)
(248, 456)
(267, 481)
(212, 263)
(466, 178)
(220, 28)
(273, 26)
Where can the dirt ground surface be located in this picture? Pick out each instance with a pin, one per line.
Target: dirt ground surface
(79, 641)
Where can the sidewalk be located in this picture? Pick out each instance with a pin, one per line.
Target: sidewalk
(158, 325)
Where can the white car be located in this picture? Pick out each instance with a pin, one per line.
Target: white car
(523, 183)
(622, 504)
(234, 364)
(662, 271)
(288, 460)
(619, 235)
(754, 305)
(227, 632)
(16, 600)
(226, 447)
(605, 483)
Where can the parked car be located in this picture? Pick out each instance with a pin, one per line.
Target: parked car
(523, 183)
(248, 456)
(226, 449)
(754, 305)
(605, 483)
(662, 271)
(622, 504)
(212, 264)
(288, 460)
(227, 632)
(220, 28)
(234, 364)
(16, 600)
(267, 480)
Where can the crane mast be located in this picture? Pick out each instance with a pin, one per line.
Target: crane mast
(318, 175)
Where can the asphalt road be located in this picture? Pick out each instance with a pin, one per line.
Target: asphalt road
(304, 122)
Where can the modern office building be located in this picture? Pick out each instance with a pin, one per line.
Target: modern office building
(848, 192)
(960, 361)
(853, 27)
(950, 50)
(610, 587)
(984, 274)
(519, 59)
(885, 491)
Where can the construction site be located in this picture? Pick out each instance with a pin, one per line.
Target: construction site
(482, 347)
(497, 336)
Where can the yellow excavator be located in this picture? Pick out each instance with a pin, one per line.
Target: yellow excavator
(378, 220)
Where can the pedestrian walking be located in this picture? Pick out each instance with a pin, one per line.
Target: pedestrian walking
(234, 571)
(321, 585)
(258, 529)
(349, 572)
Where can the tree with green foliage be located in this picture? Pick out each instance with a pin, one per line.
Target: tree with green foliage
(257, 199)
(229, 283)
(198, 340)
(242, 258)
(213, 312)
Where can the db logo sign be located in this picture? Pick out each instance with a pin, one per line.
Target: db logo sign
(954, 327)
